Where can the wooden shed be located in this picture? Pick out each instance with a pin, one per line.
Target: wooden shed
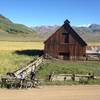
(65, 44)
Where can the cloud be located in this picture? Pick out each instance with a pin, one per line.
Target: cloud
(84, 25)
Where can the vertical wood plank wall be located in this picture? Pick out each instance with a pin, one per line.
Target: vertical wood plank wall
(55, 44)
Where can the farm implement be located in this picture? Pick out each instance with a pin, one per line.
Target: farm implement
(22, 78)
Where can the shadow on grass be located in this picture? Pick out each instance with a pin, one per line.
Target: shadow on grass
(34, 52)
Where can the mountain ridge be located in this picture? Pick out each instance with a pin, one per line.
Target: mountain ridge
(10, 31)
(89, 34)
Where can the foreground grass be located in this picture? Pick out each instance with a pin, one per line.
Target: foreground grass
(10, 61)
(69, 67)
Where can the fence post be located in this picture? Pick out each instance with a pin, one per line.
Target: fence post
(73, 77)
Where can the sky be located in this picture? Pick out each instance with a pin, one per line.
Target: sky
(51, 12)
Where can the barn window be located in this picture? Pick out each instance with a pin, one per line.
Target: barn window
(55, 41)
(66, 37)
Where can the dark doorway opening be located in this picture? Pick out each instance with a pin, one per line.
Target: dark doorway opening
(66, 56)
(66, 37)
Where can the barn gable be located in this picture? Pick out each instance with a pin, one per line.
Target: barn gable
(66, 43)
(73, 32)
(69, 29)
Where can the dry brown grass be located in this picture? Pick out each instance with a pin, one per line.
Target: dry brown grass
(12, 46)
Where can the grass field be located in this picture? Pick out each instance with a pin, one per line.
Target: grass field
(10, 60)
(94, 43)
(69, 67)
(12, 46)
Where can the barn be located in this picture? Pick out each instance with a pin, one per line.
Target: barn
(65, 44)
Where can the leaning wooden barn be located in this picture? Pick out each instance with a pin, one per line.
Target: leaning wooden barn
(65, 44)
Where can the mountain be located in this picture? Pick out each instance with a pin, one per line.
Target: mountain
(10, 31)
(89, 34)
(95, 28)
(45, 31)
(15, 32)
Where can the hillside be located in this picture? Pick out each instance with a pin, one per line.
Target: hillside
(10, 31)
(45, 31)
(15, 32)
(89, 34)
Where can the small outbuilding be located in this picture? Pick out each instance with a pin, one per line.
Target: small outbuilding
(65, 44)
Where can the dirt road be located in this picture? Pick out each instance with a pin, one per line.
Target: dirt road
(53, 93)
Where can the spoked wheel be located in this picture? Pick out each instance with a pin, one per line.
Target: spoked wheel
(36, 83)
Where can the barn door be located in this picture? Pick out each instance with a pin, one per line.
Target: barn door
(65, 56)
(65, 37)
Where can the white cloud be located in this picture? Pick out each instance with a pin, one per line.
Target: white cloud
(84, 25)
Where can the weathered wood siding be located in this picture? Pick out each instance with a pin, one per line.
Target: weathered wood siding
(55, 45)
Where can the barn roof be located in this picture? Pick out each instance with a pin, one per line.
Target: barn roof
(76, 35)
(68, 28)
(52, 34)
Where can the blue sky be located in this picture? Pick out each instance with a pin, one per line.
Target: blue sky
(51, 12)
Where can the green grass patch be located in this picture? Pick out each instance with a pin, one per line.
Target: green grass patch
(10, 61)
(68, 67)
